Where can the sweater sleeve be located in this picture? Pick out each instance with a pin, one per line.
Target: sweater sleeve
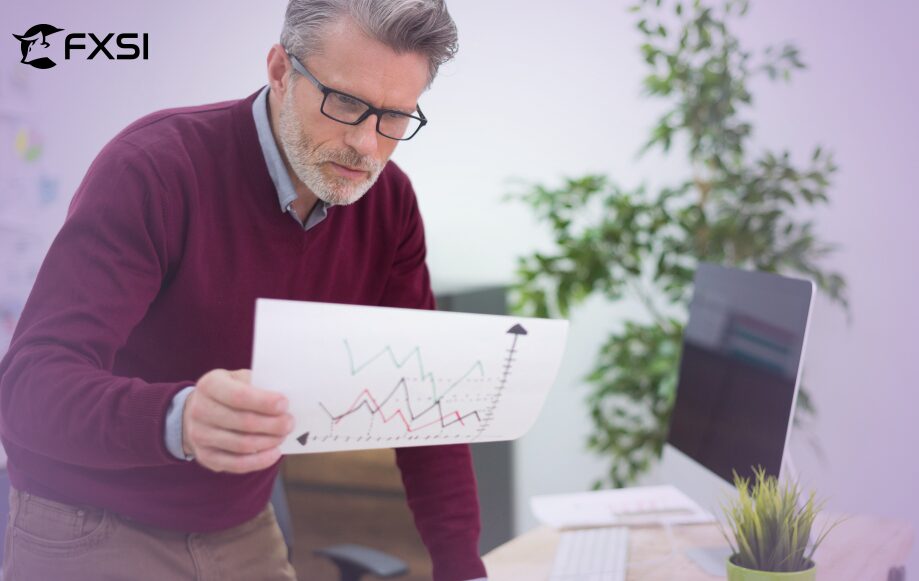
(58, 394)
(441, 491)
(439, 481)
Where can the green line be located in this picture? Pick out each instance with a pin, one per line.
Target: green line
(355, 369)
(458, 381)
(392, 356)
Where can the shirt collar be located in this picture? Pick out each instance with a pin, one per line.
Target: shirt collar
(276, 169)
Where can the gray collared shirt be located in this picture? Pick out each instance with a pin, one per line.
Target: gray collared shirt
(287, 193)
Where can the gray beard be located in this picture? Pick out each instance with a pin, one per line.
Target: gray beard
(306, 160)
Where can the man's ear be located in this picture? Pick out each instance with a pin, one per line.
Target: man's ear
(278, 70)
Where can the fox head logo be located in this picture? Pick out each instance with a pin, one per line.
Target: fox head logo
(33, 38)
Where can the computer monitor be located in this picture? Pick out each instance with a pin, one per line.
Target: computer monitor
(738, 379)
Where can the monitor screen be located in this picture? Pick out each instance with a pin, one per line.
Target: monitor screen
(739, 369)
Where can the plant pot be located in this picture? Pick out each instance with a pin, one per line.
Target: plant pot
(736, 573)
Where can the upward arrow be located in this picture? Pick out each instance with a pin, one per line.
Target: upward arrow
(517, 330)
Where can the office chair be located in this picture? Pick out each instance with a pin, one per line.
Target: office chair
(353, 561)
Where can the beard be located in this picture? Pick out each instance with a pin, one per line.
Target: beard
(309, 161)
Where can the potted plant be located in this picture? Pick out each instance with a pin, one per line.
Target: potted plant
(770, 531)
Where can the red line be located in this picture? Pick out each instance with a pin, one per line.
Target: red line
(398, 412)
(408, 427)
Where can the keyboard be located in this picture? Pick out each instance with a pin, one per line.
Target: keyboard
(620, 507)
(599, 554)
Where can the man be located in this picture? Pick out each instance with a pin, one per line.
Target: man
(123, 466)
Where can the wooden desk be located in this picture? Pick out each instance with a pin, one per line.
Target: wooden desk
(859, 549)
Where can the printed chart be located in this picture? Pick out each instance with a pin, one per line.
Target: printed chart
(368, 377)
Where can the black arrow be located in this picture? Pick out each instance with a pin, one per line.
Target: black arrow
(517, 330)
(303, 438)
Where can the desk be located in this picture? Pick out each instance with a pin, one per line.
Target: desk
(860, 549)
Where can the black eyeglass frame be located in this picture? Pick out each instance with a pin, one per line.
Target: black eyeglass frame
(371, 110)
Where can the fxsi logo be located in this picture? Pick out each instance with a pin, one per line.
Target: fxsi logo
(127, 46)
(34, 38)
(125, 41)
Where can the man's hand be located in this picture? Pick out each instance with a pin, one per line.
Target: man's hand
(230, 426)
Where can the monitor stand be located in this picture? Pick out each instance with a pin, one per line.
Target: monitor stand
(713, 560)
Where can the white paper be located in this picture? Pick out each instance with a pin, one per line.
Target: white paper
(371, 377)
(640, 505)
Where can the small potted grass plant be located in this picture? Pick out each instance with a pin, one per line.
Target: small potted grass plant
(770, 531)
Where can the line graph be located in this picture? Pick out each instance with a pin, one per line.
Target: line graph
(360, 377)
(419, 404)
(366, 400)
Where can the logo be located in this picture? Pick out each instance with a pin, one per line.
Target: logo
(34, 38)
(127, 45)
(123, 41)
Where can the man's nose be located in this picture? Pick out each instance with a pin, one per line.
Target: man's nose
(363, 136)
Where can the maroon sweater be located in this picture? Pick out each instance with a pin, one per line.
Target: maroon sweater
(151, 282)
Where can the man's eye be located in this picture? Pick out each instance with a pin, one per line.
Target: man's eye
(347, 101)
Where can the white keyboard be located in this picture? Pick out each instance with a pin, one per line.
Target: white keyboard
(620, 507)
(599, 554)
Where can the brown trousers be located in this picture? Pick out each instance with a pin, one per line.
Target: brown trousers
(50, 541)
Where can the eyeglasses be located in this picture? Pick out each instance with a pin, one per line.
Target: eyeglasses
(350, 110)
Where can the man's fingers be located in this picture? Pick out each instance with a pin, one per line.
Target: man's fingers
(235, 442)
(231, 426)
(220, 416)
(228, 388)
(221, 461)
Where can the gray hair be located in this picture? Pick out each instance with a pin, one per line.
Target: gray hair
(421, 26)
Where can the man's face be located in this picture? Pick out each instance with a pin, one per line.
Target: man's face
(339, 162)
